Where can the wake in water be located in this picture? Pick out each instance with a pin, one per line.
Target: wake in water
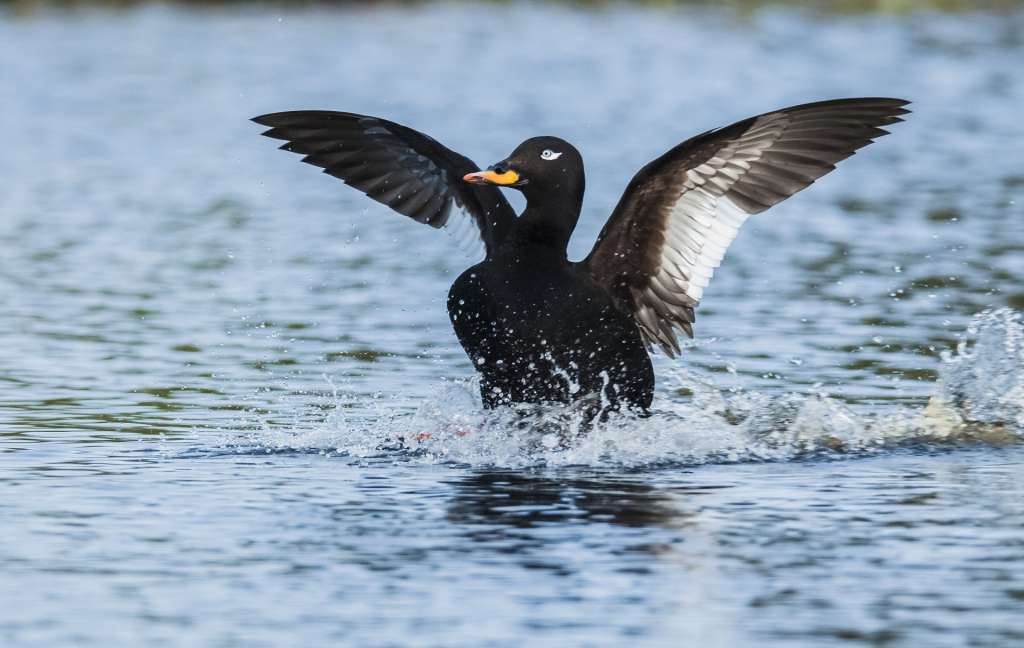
(979, 397)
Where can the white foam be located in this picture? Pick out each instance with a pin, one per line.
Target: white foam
(978, 398)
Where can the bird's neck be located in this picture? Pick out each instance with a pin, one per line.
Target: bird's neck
(550, 218)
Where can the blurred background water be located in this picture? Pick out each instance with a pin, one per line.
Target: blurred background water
(232, 410)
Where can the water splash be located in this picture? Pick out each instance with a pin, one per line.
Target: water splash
(978, 398)
(982, 383)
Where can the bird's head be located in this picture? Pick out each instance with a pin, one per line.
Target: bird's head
(538, 164)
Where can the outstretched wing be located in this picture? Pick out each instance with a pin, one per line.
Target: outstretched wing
(670, 230)
(404, 169)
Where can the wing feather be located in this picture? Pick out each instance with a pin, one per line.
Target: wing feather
(395, 165)
(680, 213)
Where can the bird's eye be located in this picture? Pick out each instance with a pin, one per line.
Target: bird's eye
(548, 154)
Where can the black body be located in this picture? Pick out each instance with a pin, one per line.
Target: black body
(538, 329)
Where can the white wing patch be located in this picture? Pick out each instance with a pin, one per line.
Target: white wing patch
(701, 225)
(700, 229)
(699, 232)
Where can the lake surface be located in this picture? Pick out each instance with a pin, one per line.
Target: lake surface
(233, 412)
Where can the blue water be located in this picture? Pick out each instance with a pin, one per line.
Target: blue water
(233, 413)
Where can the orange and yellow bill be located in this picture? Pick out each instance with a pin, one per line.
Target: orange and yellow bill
(492, 177)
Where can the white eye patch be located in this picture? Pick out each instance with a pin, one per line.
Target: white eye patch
(548, 154)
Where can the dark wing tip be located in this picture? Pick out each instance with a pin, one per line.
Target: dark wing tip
(300, 117)
(893, 107)
(894, 102)
(896, 106)
(270, 119)
(279, 133)
(889, 105)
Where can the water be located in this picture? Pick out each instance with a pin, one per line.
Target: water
(233, 412)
